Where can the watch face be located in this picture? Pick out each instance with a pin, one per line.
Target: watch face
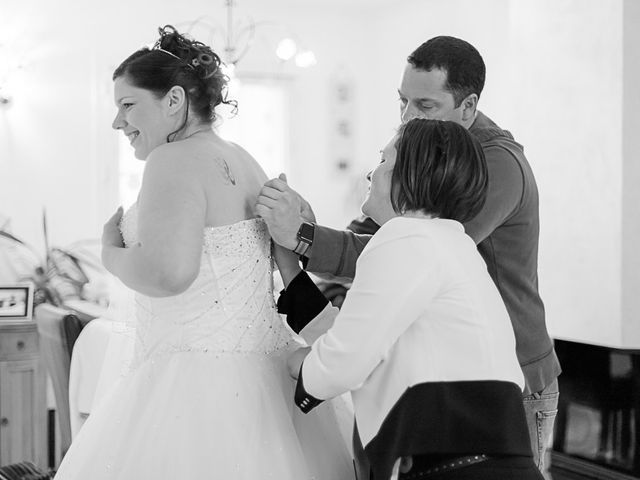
(306, 232)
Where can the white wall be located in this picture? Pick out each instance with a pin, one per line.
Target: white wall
(568, 112)
(48, 134)
(631, 173)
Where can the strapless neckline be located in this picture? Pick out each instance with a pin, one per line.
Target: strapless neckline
(247, 221)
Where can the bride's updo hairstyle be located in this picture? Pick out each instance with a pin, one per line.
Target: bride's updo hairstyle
(440, 170)
(176, 60)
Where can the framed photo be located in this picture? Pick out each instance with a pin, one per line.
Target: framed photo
(16, 302)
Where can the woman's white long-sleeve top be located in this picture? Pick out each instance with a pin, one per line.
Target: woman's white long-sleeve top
(422, 310)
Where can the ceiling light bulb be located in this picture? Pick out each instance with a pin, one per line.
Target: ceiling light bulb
(286, 49)
(306, 59)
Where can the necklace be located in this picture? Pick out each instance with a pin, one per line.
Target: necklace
(197, 131)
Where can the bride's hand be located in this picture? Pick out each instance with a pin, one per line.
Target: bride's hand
(294, 362)
(111, 235)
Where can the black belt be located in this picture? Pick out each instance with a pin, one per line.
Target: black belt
(424, 467)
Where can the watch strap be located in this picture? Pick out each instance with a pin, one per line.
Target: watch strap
(301, 248)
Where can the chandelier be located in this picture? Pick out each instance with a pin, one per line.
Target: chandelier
(239, 36)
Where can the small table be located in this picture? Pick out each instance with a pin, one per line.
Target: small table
(23, 408)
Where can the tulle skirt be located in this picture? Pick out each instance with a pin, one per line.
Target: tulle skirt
(200, 415)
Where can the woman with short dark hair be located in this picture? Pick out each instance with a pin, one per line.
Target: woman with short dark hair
(423, 341)
(442, 174)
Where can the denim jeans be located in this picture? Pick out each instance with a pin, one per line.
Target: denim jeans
(541, 409)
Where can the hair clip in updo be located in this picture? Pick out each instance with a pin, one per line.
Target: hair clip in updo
(167, 52)
(203, 59)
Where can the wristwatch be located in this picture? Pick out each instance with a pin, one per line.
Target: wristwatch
(305, 238)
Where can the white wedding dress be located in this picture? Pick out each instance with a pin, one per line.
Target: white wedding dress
(208, 395)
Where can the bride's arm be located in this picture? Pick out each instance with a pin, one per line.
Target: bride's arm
(288, 263)
(171, 220)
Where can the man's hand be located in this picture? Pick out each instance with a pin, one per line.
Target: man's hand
(284, 210)
(294, 362)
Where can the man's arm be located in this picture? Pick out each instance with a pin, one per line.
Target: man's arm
(363, 224)
(335, 252)
(332, 252)
(504, 193)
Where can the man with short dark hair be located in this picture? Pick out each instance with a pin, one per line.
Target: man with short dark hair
(443, 79)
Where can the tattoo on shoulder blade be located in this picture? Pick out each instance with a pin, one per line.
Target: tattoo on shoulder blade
(227, 174)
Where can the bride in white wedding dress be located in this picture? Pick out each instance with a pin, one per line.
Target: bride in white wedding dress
(208, 395)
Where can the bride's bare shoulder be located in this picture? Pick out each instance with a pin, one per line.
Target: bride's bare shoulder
(249, 162)
(213, 160)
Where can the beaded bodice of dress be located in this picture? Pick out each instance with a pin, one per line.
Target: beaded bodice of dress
(229, 308)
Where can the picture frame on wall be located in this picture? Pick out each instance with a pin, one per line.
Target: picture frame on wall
(16, 302)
